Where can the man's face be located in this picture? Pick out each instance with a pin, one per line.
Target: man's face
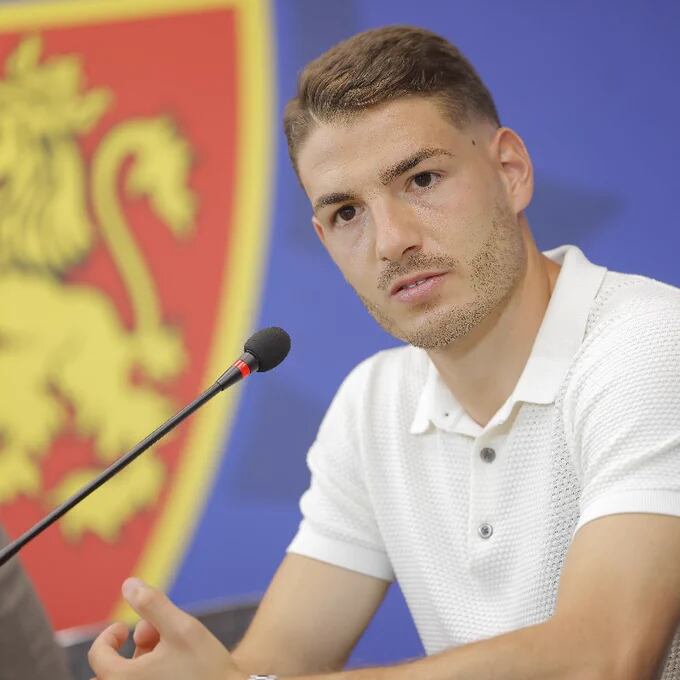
(420, 216)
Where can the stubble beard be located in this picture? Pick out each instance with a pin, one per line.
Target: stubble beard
(494, 271)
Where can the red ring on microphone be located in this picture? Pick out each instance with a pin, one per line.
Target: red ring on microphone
(243, 367)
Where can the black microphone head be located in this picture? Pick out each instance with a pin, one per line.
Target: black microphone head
(270, 347)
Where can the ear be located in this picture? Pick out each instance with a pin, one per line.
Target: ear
(515, 166)
(319, 230)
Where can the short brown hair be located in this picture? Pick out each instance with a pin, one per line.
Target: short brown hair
(380, 65)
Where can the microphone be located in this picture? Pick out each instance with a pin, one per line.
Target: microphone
(263, 351)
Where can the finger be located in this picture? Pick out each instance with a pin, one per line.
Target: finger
(146, 638)
(103, 655)
(151, 604)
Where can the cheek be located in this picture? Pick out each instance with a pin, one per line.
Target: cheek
(349, 252)
(350, 244)
(469, 194)
(357, 267)
(460, 210)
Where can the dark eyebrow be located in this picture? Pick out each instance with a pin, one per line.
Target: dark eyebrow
(332, 199)
(386, 176)
(391, 173)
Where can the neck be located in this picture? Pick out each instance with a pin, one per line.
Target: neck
(482, 369)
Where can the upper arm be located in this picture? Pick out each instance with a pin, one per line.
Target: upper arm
(310, 618)
(337, 570)
(620, 586)
(619, 593)
(622, 414)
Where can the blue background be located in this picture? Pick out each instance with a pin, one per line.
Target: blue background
(593, 90)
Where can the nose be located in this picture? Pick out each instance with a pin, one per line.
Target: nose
(396, 230)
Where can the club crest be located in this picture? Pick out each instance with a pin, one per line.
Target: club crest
(128, 237)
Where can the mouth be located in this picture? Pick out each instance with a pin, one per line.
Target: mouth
(413, 283)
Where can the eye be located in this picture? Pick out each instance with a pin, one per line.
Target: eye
(424, 179)
(346, 214)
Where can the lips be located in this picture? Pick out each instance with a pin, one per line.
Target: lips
(412, 282)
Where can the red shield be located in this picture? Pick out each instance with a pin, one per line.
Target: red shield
(133, 189)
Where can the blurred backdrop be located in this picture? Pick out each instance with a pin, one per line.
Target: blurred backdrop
(149, 221)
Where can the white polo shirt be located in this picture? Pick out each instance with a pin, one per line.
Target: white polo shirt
(475, 522)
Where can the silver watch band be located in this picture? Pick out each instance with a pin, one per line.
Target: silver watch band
(263, 677)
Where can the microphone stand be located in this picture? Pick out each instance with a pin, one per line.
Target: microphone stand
(240, 369)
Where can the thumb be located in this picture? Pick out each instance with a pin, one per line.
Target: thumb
(154, 606)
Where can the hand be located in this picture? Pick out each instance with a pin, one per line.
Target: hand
(170, 644)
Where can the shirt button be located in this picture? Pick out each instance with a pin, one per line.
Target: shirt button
(488, 455)
(485, 530)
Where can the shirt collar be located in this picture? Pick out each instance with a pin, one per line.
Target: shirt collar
(558, 339)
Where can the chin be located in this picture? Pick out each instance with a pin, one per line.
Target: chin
(443, 327)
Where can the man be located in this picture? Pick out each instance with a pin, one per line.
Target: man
(515, 467)
(28, 650)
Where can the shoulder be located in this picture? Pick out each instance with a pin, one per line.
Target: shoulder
(631, 349)
(621, 410)
(627, 299)
(631, 316)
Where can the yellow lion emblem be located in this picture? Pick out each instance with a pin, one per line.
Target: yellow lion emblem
(63, 347)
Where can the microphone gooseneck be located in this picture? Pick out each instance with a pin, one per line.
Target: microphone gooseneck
(263, 351)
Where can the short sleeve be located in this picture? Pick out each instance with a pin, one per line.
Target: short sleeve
(338, 524)
(624, 410)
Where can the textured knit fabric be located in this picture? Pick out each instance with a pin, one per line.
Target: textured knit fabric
(475, 522)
